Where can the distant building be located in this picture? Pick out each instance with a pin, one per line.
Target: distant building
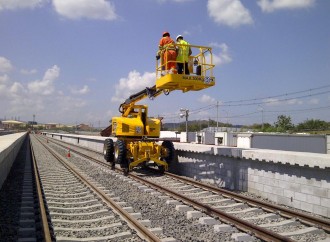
(222, 129)
(83, 127)
(12, 124)
(288, 142)
(51, 126)
(32, 123)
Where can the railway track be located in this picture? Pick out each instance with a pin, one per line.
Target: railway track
(22, 213)
(225, 211)
(80, 208)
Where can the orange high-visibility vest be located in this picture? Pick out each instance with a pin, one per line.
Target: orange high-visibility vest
(166, 43)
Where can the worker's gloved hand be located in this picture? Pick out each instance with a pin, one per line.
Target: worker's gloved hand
(157, 57)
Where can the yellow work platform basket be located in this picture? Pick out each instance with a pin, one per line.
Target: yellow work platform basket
(200, 76)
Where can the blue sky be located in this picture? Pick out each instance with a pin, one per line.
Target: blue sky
(70, 61)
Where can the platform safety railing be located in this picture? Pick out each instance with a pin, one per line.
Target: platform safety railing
(200, 62)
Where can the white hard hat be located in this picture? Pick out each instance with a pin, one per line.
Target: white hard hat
(179, 36)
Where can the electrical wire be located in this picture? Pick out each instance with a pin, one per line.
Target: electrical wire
(280, 95)
(278, 100)
(274, 111)
(260, 101)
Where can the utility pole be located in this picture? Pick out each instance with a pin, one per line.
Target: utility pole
(185, 113)
(227, 122)
(262, 117)
(217, 116)
(34, 116)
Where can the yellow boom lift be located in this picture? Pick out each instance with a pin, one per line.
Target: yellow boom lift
(137, 134)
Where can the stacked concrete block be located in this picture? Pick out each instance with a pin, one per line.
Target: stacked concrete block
(299, 187)
(9, 147)
(296, 179)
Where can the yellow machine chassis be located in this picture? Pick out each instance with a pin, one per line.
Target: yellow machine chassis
(184, 83)
(137, 129)
(145, 151)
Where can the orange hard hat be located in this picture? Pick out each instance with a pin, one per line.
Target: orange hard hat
(166, 33)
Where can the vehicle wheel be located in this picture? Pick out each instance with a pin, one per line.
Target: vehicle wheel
(125, 171)
(161, 169)
(170, 151)
(108, 150)
(120, 154)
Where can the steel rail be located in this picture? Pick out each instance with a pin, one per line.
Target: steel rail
(245, 226)
(285, 212)
(139, 227)
(304, 218)
(43, 214)
(241, 224)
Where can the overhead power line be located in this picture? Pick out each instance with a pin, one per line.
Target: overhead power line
(276, 100)
(256, 103)
(298, 110)
(277, 96)
(275, 111)
(260, 101)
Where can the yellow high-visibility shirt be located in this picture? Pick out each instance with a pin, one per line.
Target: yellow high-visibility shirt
(183, 51)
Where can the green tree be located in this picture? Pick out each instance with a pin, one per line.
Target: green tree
(313, 125)
(283, 123)
(266, 127)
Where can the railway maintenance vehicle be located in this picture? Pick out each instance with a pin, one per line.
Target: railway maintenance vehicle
(137, 135)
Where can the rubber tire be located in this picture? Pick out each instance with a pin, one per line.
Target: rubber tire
(170, 156)
(108, 150)
(121, 153)
(171, 151)
(161, 169)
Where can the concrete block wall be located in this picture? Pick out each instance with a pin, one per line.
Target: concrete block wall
(303, 187)
(215, 170)
(296, 179)
(97, 145)
(5, 132)
(9, 147)
(91, 142)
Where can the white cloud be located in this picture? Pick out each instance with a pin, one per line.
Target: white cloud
(178, 1)
(206, 99)
(4, 79)
(133, 83)
(68, 104)
(294, 102)
(272, 5)
(92, 79)
(19, 99)
(16, 88)
(5, 65)
(84, 90)
(279, 102)
(28, 72)
(45, 86)
(93, 9)
(222, 57)
(271, 102)
(229, 12)
(314, 101)
(16, 4)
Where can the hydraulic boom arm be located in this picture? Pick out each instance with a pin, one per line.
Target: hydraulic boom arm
(150, 92)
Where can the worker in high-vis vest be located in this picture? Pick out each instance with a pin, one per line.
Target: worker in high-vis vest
(167, 52)
(183, 53)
